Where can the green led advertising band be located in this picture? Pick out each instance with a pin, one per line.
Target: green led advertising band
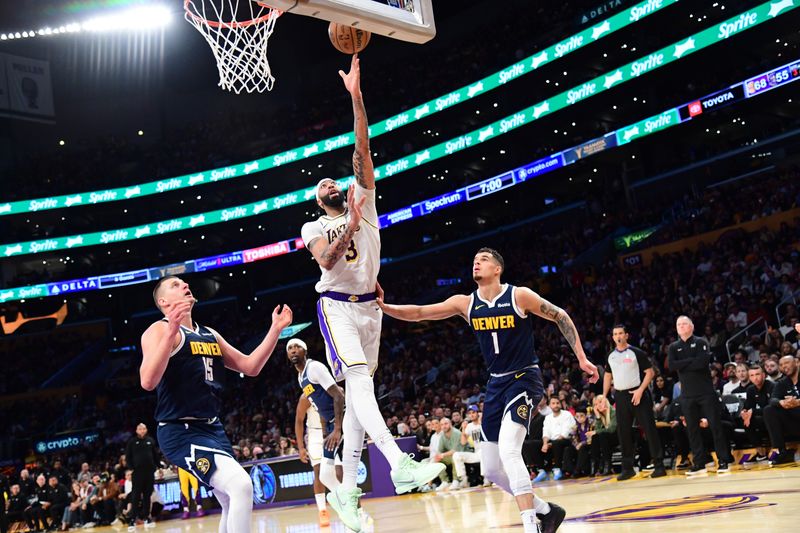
(489, 83)
(604, 82)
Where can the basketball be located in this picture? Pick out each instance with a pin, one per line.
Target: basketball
(347, 39)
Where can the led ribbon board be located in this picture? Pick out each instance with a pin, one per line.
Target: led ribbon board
(548, 55)
(669, 54)
(470, 192)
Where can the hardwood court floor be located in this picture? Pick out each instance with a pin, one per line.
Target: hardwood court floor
(759, 500)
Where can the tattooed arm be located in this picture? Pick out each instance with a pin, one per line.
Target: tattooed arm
(363, 169)
(328, 254)
(530, 302)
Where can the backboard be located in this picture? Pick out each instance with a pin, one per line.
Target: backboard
(406, 20)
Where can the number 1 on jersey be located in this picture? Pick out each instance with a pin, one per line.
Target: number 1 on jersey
(496, 343)
(208, 363)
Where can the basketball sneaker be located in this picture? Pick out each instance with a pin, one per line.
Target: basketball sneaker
(549, 522)
(696, 470)
(345, 503)
(324, 519)
(410, 475)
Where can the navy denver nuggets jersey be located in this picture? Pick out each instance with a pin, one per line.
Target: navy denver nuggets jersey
(318, 396)
(505, 335)
(193, 381)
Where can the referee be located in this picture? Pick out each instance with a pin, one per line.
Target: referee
(690, 356)
(140, 454)
(630, 371)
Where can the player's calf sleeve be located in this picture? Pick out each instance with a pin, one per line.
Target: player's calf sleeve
(492, 467)
(327, 474)
(231, 479)
(509, 443)
(369, 414)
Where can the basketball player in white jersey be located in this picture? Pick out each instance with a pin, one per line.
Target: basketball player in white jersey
(346, 244)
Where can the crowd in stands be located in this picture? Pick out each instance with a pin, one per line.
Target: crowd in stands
(431, 376)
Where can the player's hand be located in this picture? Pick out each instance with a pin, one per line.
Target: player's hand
(355, 208)
(636, 396)
(703, 423)
(333, 439)
(545, 447)
(352, 80)
(303, 455)
(282, 316)
(177, 313)
(590, 369)
(746, 414)
(379, 294)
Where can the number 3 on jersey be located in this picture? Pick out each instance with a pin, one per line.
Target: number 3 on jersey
(352, 252)
(208, 363)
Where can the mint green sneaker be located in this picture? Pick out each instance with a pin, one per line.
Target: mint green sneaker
(345, 503)
(410, 475)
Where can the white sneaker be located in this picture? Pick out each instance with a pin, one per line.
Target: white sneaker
(460, 484)
(444, 487)
(149, 524)
(88, 525)
(116, 522)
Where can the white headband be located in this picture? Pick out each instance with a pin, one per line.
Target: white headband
(320, 182)
(298, 342)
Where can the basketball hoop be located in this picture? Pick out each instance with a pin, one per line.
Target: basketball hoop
(238, 37)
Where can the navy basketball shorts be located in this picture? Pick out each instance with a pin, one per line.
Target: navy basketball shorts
(193, 444)
(331, 454)
(518, 394)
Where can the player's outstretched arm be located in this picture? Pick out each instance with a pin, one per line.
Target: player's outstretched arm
(530, 302)
(299, 426)
(363, 168)
(157, 343)
(455, 305)
(251, 365)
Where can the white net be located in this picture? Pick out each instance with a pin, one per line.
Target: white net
(238, 32)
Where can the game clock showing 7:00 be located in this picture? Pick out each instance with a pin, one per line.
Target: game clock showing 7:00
(772, 79)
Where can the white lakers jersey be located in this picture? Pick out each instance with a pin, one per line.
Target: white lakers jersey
(357, 271)
(312, 418)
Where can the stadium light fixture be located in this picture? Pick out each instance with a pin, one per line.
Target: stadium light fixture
(141, 18)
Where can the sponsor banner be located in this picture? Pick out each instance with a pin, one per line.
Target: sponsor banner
(75, 285)
(632, 239)
(65, 441)
(590, 148)
(441, 202)
(265, 252)
(542, 166)
(548, 55)
(654, 124)
(713, 101)
(218, 261)
(126, 278)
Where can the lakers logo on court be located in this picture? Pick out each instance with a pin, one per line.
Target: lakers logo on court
(675, 508)
(203, 465)
(522, 412)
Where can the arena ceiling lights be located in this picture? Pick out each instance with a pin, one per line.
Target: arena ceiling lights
(141, 18)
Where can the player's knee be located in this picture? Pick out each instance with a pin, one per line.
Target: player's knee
(242, 487)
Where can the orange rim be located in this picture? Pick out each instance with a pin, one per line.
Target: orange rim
(233, 25)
